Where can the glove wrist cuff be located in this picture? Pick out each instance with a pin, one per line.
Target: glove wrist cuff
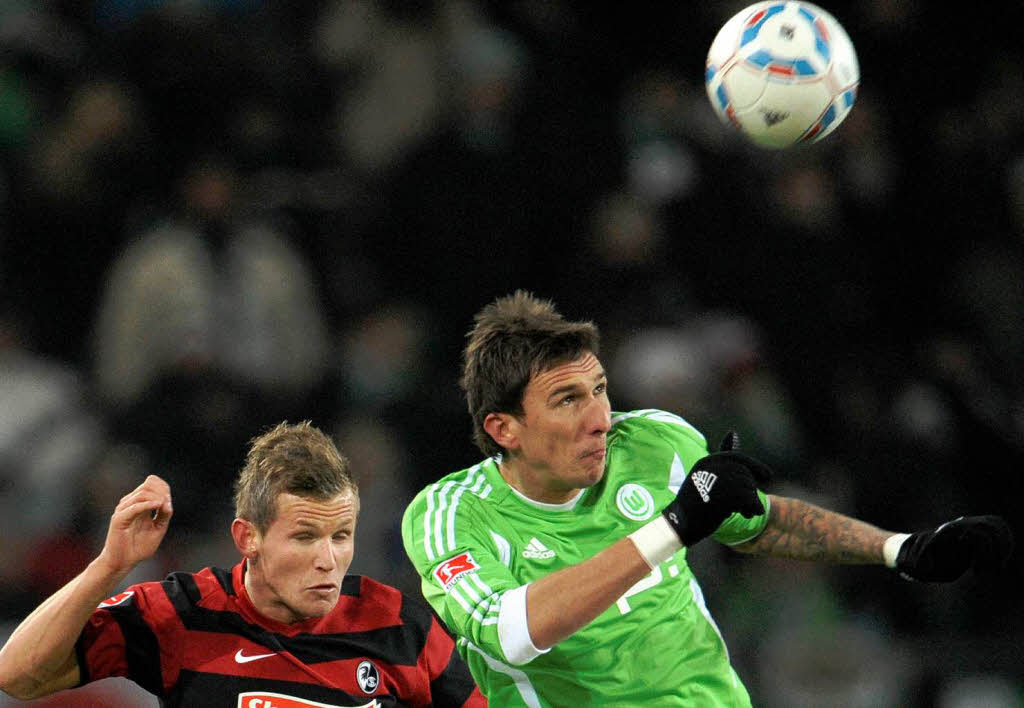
(656, 541)
(891, 549)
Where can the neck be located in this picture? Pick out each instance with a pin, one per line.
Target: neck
(263, 598)
(526, 482)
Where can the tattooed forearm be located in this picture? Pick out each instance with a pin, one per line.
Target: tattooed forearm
(800, 530)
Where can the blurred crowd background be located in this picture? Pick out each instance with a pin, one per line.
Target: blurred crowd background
(220, 214)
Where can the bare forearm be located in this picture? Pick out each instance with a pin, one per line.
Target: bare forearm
(800, 530)
(39, 658)
(561, 603)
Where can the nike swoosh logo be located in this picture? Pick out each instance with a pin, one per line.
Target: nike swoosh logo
(242, 659)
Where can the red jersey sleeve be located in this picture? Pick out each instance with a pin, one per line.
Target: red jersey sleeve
(135, 634)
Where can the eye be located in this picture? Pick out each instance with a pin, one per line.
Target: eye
(303, 536)
(342, 535)
(601, 388)
(567, 400)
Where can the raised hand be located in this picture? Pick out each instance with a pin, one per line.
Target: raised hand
(718, 485)
(138, 525)
(984, 543)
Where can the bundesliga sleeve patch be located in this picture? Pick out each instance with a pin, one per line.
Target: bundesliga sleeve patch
(454, 568)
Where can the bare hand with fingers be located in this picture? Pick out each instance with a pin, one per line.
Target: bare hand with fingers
(138, 525)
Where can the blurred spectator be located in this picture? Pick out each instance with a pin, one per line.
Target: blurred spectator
(384, 357)
(980, 691)
(210, 288)
(711, 369)
(86, 153)
(831, 661)
(395, 100)
(384, 471)
(16, 108)
(50, 434)
(210, 324)
(95, 135)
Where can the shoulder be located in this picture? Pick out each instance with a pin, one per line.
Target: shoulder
(180, 591)
(411, 610)
(188, 588)
(179, 601)
(651, 422)
(366, 591)
(462, 489)
(169, 238)
(370, 604)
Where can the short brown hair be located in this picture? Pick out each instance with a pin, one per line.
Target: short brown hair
(295, 459)
(514, 338)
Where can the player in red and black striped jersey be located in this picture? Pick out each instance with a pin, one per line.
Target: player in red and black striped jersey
(197, 639)
(286, 628)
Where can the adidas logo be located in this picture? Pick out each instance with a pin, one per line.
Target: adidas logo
(704, 481)
(773, 117)
(536, 549)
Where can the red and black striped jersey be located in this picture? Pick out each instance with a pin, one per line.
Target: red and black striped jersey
(196, 639)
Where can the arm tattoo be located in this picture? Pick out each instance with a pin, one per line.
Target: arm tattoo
(800, 530)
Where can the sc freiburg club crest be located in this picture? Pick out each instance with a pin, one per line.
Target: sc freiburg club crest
(367, 676)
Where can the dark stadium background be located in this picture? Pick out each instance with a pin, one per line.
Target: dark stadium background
(854, 308)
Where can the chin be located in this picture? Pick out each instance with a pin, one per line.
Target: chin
(318, 609)
(592, 477)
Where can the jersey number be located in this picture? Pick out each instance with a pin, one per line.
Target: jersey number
(646, 583)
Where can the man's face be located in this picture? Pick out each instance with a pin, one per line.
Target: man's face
(303, 557)
(562, 433)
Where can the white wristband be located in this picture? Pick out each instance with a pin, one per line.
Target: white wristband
(891, 549)
(656, 541)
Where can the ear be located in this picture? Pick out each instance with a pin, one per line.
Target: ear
(246, 537)
(503, 429)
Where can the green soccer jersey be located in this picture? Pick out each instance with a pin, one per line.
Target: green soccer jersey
(477, 544)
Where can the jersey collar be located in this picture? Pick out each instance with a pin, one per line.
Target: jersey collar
(503, 489)
(248, 610)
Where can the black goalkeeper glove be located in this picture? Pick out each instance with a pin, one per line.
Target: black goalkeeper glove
(720, 484)
(944, 554)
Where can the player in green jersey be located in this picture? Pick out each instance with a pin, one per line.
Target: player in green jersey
(560, 560)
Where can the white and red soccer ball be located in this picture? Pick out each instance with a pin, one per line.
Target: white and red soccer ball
(783, 73)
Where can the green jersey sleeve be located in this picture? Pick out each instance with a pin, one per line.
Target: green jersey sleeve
(691, 445)
(736, 529)
(464, 569)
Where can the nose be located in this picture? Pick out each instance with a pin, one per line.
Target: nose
(325, 559)
(599, 416)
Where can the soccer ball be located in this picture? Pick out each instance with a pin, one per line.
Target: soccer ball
(783, 73)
